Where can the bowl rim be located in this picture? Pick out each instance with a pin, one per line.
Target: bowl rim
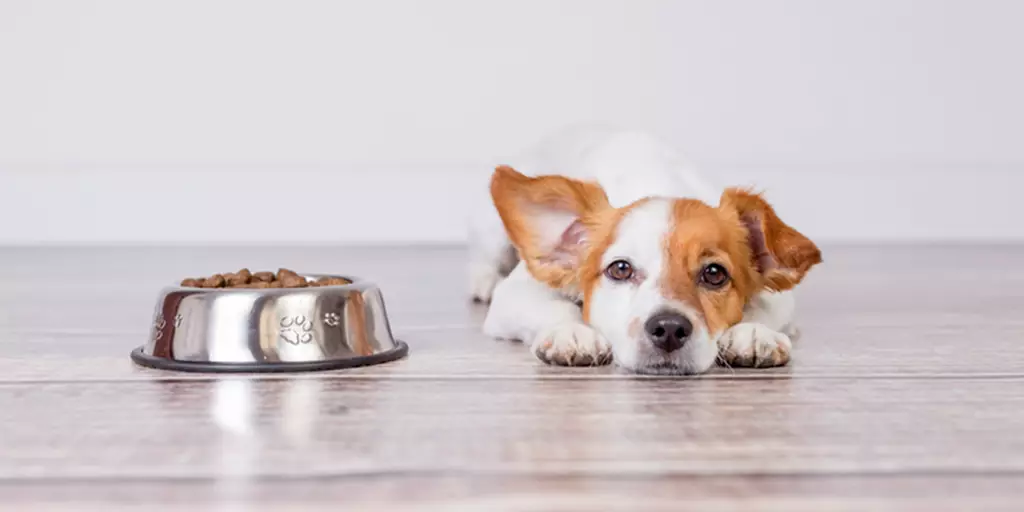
(141, 358)
(355, 283)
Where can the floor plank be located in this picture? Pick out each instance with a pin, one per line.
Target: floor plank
(473, 493)
(241, 427)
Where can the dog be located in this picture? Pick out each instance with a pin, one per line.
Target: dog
(602, 245)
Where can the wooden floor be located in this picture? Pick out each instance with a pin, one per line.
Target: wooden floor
(906, 392)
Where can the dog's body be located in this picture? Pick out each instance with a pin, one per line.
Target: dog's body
(600, 222)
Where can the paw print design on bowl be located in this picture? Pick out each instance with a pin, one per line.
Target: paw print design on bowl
(159, 324)
(332, 319)
(296, 330)
(158, 327)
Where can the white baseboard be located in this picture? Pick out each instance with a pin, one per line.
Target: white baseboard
(429, 204)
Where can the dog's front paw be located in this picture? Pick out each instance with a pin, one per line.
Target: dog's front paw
(754, 345)
(572, 344)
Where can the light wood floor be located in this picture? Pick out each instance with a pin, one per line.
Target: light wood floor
(906, 392)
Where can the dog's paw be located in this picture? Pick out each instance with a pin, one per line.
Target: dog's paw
(754, 345)
(482, 281)
(572, 344)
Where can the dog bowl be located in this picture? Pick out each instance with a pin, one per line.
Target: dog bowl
(245, 330)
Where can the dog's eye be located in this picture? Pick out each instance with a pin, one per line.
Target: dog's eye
(619, 270)
(714, 275)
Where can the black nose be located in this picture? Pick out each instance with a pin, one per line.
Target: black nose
(668, 331)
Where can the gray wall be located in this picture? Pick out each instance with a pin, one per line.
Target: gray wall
(306, 121)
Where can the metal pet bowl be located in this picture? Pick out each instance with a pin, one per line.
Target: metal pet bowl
(246, 330)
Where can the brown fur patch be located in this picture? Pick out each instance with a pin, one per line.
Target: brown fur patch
(604, 231)
(781, 254)
(517, 198)
(702, 235)
(748, 239)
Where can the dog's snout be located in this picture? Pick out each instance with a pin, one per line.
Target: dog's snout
(668, 331)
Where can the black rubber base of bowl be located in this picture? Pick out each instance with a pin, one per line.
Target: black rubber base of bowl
(162, 363)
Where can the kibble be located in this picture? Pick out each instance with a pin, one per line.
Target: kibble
(238, 278)
(214, 281)
(292, 281)
(283, 278)
(265, 277)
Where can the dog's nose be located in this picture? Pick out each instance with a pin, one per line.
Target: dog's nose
(668, 331)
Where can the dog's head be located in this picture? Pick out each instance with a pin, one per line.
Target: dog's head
(661, 278)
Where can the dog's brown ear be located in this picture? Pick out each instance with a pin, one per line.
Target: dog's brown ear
(779, 253)
(548, 219)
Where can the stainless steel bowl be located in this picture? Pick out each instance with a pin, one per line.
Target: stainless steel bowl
(270, 329)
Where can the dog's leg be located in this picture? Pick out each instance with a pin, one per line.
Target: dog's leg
(764, 337)
(491, 254)
(527, 310)
(487, 267)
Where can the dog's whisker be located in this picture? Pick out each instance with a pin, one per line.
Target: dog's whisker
(723, 362)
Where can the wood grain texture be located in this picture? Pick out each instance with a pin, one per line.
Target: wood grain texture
(499, 493)
(653, 427)
(909, 378)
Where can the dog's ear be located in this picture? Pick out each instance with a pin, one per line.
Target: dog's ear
(549, 219)
(779, 253)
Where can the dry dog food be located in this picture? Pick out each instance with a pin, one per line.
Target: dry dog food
(284, 278)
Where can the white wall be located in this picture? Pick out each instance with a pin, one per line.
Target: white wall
(176, 121)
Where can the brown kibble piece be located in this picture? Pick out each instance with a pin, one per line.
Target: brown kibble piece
(283, 273)
(214, 281)
(265, 277)
(276, 284)
(244, 272)
(258, 284)
(192, 283)
(294, 282)
(237, 279)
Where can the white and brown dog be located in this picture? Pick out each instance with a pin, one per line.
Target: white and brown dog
(610, 248)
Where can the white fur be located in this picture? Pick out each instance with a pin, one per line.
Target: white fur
(754, 344)
(616, 308)
(572, 344)
(628, 166)
(767, 326)
(522, 307)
